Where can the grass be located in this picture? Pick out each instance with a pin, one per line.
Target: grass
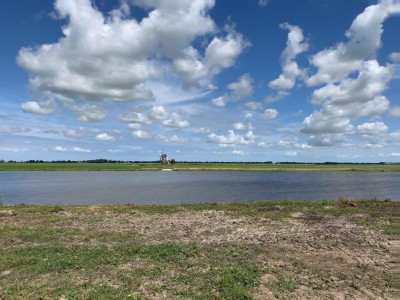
(197, 167)
(86, 252)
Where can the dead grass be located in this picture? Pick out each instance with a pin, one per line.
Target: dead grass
(285, 250)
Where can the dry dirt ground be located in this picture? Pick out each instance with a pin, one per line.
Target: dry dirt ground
(327, 257)
(307, 255)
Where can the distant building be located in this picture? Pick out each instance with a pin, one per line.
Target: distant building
(164, 159)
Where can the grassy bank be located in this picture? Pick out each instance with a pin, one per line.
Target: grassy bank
(266, 250)
(197, 167)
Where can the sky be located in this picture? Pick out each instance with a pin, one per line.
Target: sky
(207, 80)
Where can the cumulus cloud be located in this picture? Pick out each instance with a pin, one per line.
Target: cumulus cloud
(104, 137)
(372, 129)
(239, 126)
(90, 113)
(238, 90)
(220, 101)
(116, 57)
(364, 39)
(290, 69)
(176, 121)
(269, 114)
(60, 149)
(155, 114)
(46, 107)
(230, 139)
(353, 80)
(141, 134)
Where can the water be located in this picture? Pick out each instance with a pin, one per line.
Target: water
(190, 187)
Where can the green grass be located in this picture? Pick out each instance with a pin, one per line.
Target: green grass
(197, 167)
(53, 252)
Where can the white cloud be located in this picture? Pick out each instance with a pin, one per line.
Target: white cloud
(134, 126)
(90, 113)
(238, 90)
(219, 101)
(326, 140)
(294, 46)
(238, 152)
(395, 154)
(176, 121)
(60, 149)
(239, 126)
(79, 133)
(354, 80)
(40, 108)
(172, 139)
(291, 153)
(77, 149)
(263, 3)
(269, 114)
(230, 139)
(364, 38)
(395, 57)
(395, 112)
(253, 105)
(241, 88)
(135, 117)
(115, 57)
(158, 113)
(105, 137)
(141, 134)
(14, 149)
(202, 130)
(372, 129)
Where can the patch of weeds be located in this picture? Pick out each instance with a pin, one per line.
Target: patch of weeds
(355, 285)
(234, 282)
(342, 276)
(282, 285)
(56, 208)
(299, 264)
(136, 297)
(390, 281)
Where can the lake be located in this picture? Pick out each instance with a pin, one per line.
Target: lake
(189, 187)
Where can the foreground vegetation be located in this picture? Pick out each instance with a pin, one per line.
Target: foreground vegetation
(128, 166)
(264, 250)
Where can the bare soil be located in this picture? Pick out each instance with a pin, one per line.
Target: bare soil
(309, 256)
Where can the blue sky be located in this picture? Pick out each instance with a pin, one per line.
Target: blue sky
(224, 80)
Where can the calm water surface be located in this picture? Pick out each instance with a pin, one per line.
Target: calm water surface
(189, 187)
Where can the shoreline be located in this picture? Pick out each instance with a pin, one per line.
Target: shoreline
(257, 167)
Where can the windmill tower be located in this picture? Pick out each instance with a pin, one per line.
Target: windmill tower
(164, 158)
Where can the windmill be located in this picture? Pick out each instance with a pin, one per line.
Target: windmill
(163, 158)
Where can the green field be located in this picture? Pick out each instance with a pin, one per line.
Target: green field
(264, 250)
(196, 167)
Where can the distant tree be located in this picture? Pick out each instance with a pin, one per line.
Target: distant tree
(172, 161)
